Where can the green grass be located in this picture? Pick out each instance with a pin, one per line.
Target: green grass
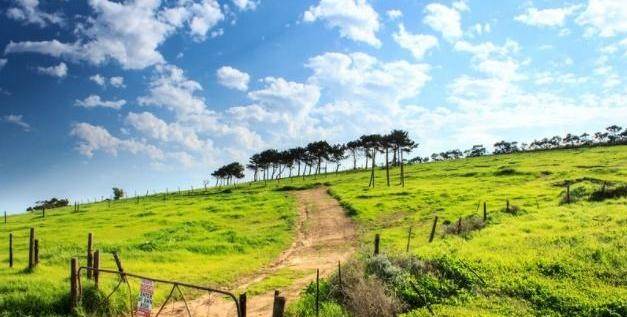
(208, 238)
(548, 259)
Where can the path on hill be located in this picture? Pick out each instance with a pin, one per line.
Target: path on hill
(325, 235)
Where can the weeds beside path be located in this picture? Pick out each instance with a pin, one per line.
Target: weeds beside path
(325, 235)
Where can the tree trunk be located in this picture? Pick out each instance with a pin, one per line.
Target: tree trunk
(374, 155)
(402, 170)
(387, 166)
(354, 161)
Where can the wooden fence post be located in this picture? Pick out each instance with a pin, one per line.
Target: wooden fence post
(36, 250)
(118, 263)
(507, 206)
(568, 194)
(5, 217)
(485, 212)
(459, 225)
(435, 223)
(242, 304)
(96, 274)
(339, 273)
(90, 254)
(408, 239)
(317, 292)
(43, 212)
(278, 307)
(31, 249)
(73, 284)
(10, 249)
(377, 239)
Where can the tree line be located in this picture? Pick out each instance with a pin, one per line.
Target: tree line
(612, 135)
(315, 157)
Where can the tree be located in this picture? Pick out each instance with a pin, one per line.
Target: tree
(372, 144)
(570, 140)
(402, 144)
(320, 150)
(336, 155)
(49, 204)
(226, 173)
(504, 147)
(353, 147)
(117, 193)
(613, 133)
(475, 151)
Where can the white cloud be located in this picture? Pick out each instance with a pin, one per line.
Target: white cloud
(417, 44)
(18, 120)
(355, 19)
(55, 71)
(117, 81)
(3, 61)
(546, 17)
(150, 125)
(94, 101)
(359, 74)
(98, 79)
(129, 33)
(394, 14)
(28, 12)
(445, 20)
(605, 17)
(96, 138)
(281, 95)
(172, 90)
(232, 78)
(245, 4)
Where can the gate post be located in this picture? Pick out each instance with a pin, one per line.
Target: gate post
(96, 274)
(31, 249)
(242, 304)
(73, 284)
(279, 306)
(90, 255)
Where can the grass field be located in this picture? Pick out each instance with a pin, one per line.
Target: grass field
(549, 258)
(209, 238)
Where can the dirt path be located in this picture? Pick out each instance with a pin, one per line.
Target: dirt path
(325, 235)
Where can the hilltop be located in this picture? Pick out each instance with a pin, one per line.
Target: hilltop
(542, 256)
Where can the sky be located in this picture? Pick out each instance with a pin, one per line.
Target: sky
(150, 94)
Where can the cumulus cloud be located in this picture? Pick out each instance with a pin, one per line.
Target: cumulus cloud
(117, 81)
(96, 138)
(172, 90)
(417, 44)
(148, 124)
(446, 20)
(59, 71)
(607, 18)
(546, 17)
(28, 11)
(245, 4)
(3, 61)
(129, 32)
(98, 79)
(232, 78)
(394, 14)
(18, 120)
(94, 101)
(355, 19)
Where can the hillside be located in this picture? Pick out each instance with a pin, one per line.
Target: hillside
(546, 258)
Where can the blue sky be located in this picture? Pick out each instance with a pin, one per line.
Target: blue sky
(149, 95)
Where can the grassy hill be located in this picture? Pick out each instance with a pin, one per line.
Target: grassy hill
(547, 258)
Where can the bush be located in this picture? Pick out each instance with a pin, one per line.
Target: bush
(118, 193)
(464, 225)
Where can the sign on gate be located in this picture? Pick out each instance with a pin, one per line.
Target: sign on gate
(144, 306)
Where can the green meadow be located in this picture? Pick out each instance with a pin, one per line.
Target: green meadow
(548, 258)
(209, 238)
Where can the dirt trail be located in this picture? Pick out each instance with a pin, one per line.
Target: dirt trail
(325, 235)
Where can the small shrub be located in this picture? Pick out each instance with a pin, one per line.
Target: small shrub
(609, 193)
(504, 171)
(513, 210)
(464, 225)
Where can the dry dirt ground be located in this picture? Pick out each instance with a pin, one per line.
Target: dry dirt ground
(325, 235)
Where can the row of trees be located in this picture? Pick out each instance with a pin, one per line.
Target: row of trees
(49, 204)
(315, 157)
(612, 135)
